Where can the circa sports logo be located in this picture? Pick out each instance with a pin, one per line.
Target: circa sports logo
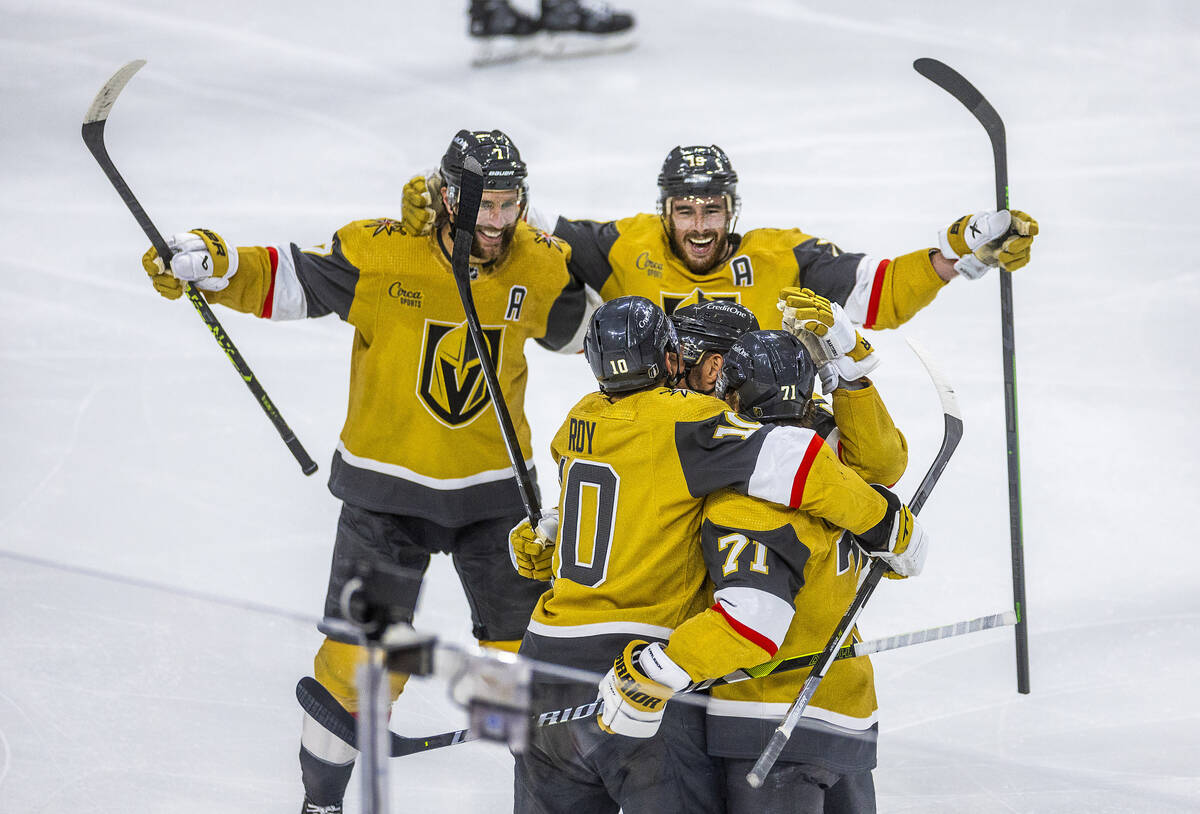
(651, 267)
(407, 296)
(452, 386)
(670, 301)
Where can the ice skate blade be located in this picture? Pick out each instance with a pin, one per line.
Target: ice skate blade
(569, 44)
(500, 50)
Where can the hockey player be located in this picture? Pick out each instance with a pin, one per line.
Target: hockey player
(636, 460)
(501, 33)
(416, 396)
(706, 330)
(690, 251)
(826, 765)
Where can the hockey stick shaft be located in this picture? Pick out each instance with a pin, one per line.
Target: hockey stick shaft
(93, 137)
(319, 704)
(464, 234)
(969, 97)
(951, 435)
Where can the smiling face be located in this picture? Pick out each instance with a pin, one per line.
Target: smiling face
(498, 214)
(698, 228)
(499, 211)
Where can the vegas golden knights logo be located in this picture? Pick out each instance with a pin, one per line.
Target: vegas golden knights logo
(671, 301)
(452, 385)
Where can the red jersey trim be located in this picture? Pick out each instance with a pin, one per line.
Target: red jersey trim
(810, 455)
(269, 302)
(876, 294)
(748, 633)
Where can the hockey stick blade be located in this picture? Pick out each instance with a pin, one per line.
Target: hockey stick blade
(969, 97)
(954, 83)
(325, 710)
(321, 706)
(952, 425)
(93, 137)
(951, 435)
(468, 212)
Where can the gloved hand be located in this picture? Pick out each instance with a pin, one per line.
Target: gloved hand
(898, 539)
(422, 201)
(995, 238)
(199, 256)
(532, 549)
(837, 349)
(636, 689)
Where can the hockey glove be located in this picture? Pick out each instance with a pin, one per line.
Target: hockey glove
(636, 689)
(996, 238)
(199, 256)
(422, 203)
(898, 539)
(416, 211)
(823, 327)
(532, 550)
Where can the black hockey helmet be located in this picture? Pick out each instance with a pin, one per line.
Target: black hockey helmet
(697, 170)
(710, 325)
(772, 374)
(627, 343)
(496, 154)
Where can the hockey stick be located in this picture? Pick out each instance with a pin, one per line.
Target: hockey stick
(953, 83)
(93, 137)
(464, 234)
(951, 435)
(317, 702)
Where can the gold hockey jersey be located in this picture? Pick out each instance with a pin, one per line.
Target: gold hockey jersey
(839, 729)
(633, 256)
(421, 437)
(634, 472)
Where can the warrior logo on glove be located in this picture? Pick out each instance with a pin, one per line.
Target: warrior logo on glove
(631, 688)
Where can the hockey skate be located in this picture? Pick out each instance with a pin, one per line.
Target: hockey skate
(309, 807)
(582, 27)
(500, 33)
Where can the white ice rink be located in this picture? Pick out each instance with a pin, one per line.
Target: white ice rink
(131, 448)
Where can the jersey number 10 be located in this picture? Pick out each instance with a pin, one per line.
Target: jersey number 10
(589, 512)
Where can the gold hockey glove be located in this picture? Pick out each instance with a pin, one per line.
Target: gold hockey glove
(636, 689)
(531, 550)
(994, 238)
(1011, 252)
(837, 349)
(898, 539)
(199, 256)
(422, 201)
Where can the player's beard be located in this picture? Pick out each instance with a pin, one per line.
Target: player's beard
(702, 265)
(492, 251)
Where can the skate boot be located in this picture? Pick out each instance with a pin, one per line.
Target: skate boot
(500, 33)
(310, 807)
(581, 27)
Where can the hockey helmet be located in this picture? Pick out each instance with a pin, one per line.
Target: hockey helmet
(627, 343)
(496, 154)
(710, 325)
(698, 171)
(772, 374)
